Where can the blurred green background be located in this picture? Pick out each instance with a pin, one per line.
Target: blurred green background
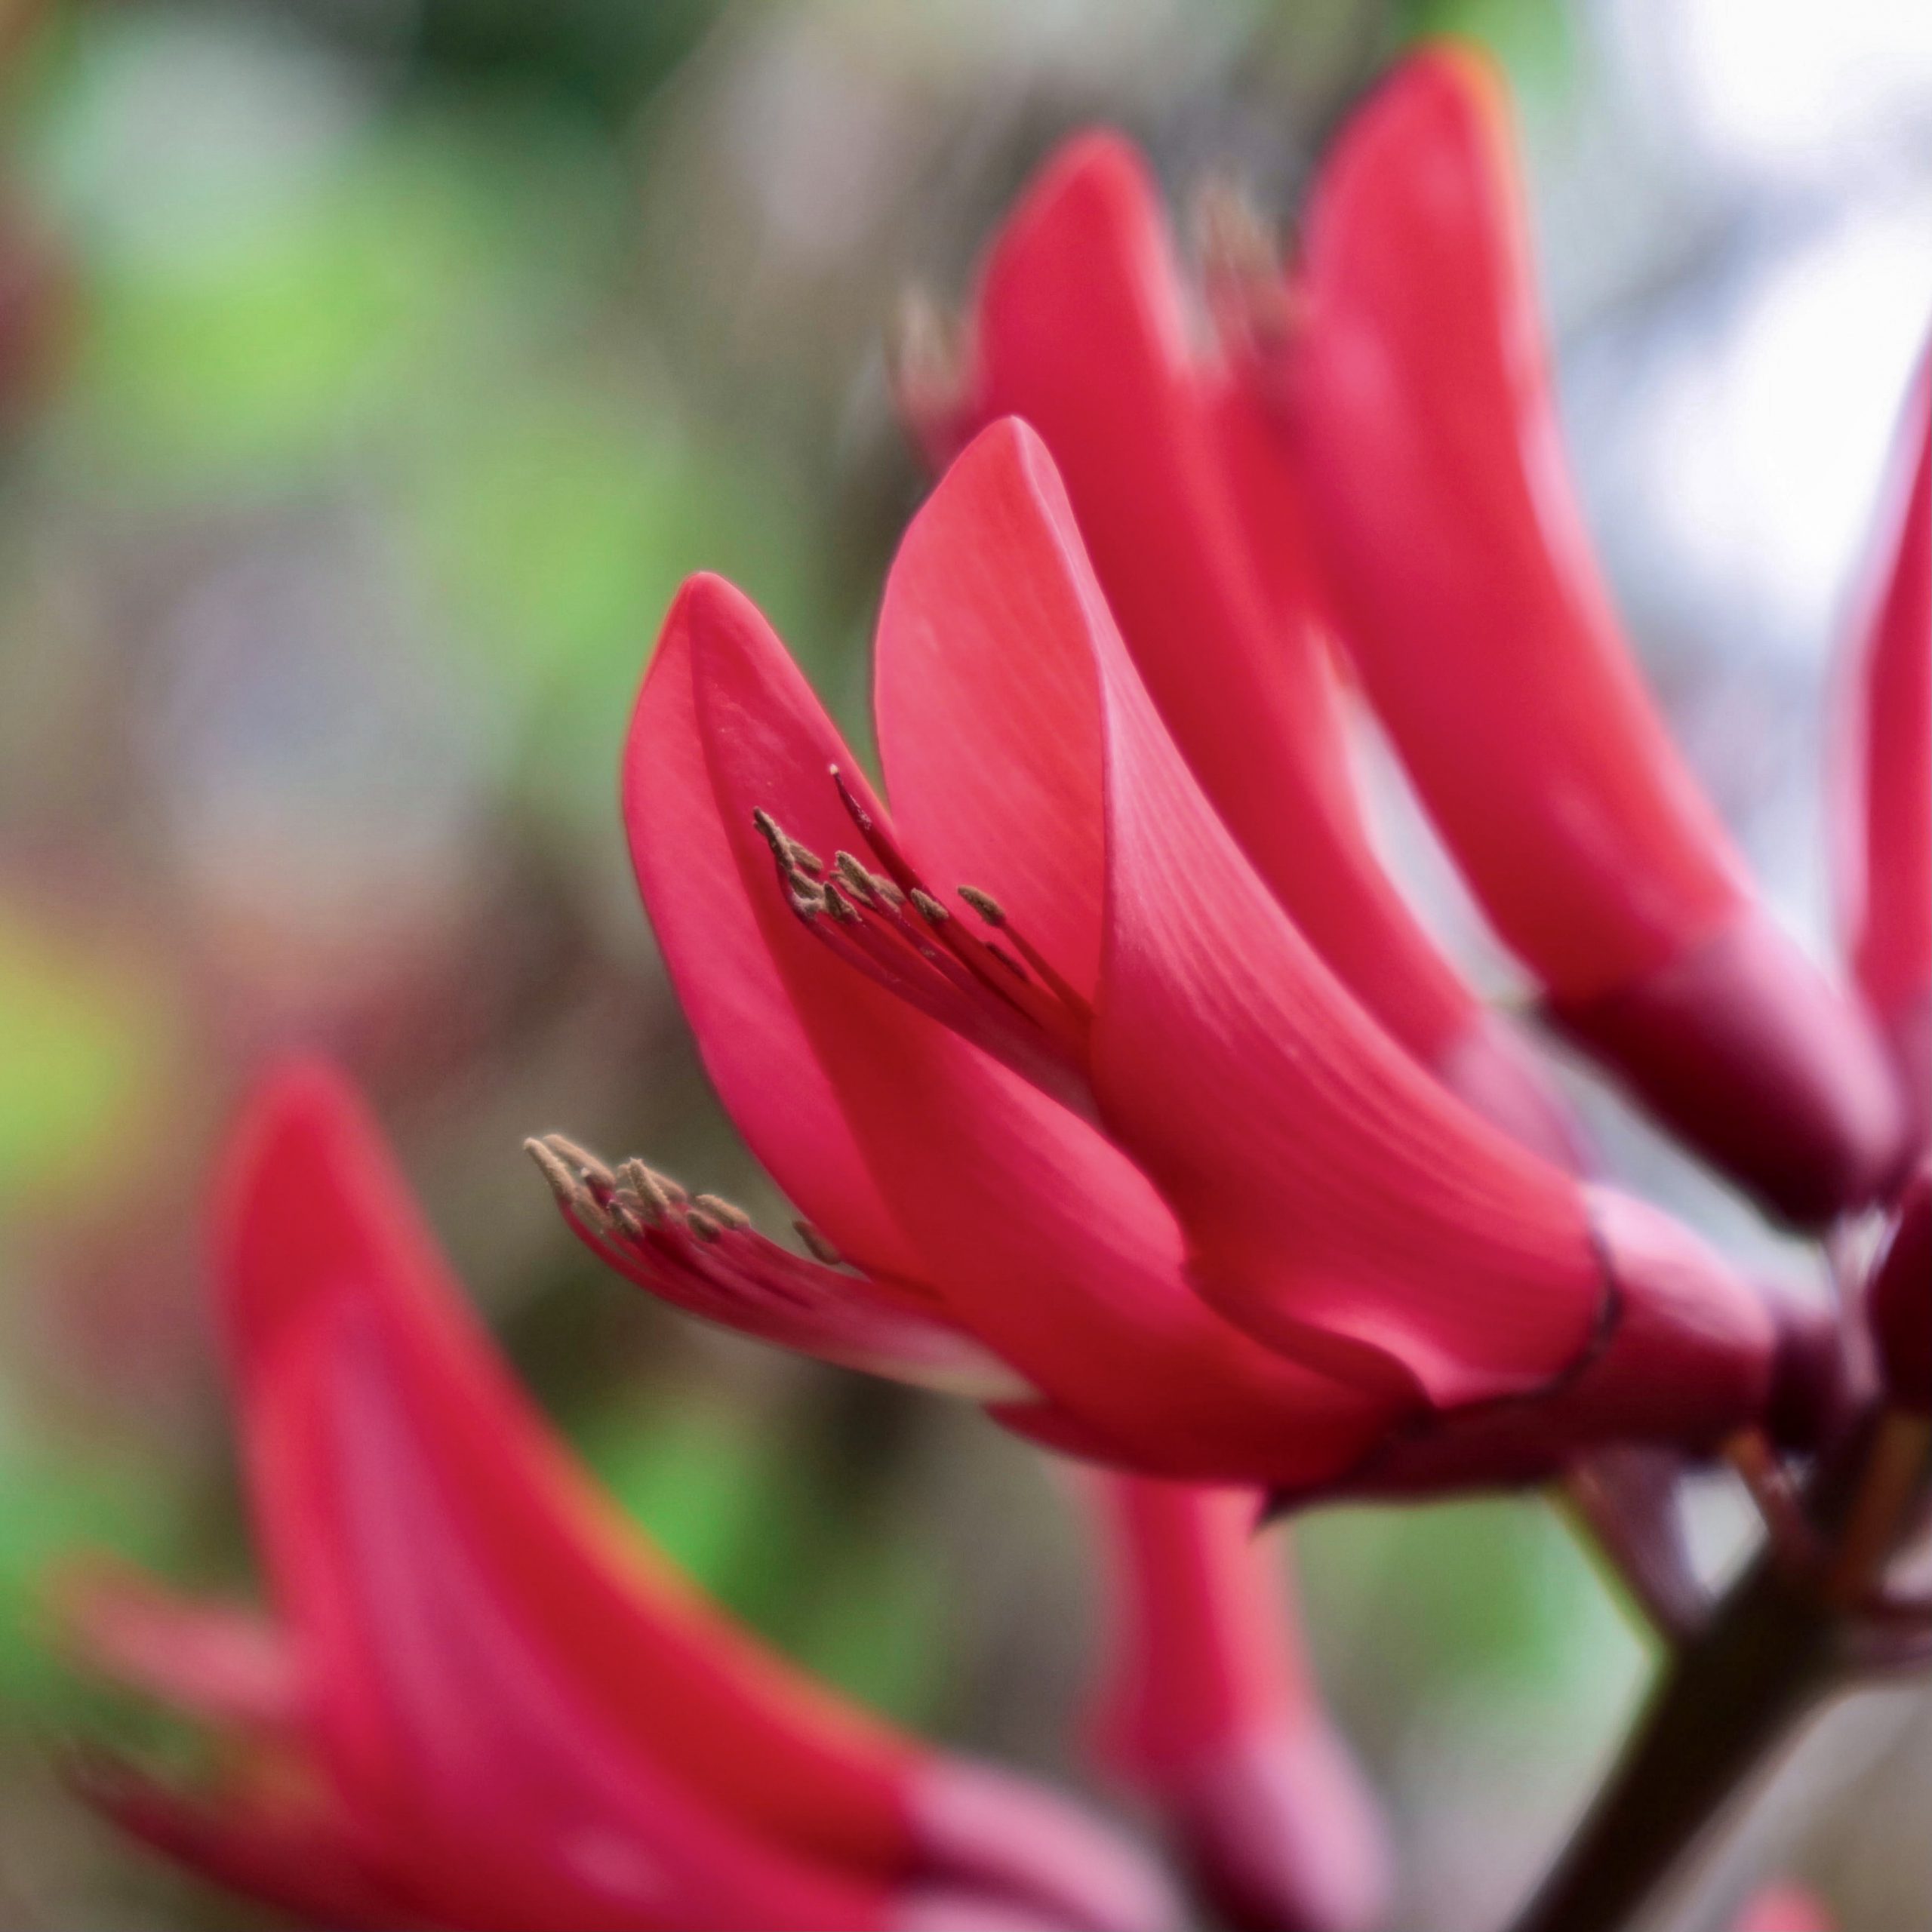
(371, 372)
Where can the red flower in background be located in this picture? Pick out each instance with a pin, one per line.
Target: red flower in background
(1416, 402)
(1208, 1706)
(481, 1699)
(1190, 520)
(1884, 845)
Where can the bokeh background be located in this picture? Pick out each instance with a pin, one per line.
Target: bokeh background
(370, 371)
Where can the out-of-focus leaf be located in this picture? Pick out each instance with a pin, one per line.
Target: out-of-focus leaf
(55, 1506)
(1494, 1589)
(267, 293)
(691, 1476)
(557, 524)
(85, 1045)
(1534, 40)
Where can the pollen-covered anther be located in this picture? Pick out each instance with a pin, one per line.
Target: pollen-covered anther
(821, 1249)
(879, 916)
(789, 852)
(699, 1251)
(565, 1177)
(656, 1196)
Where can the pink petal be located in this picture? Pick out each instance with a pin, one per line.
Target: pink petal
(1885, 829)
(301, 1860)
(1080, 330)
(223, 1663)
(1337, 1202)
(599, 1620)
(1463, 577)
(723, 1270)
(320, 1223)
(1458, 555)
(757, 1055)
(1209, 1708)
(1037, 1236)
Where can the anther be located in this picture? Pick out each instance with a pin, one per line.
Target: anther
(653, 1199)
(566, 1183)
(587, 1163)
(702, 1225)
(864, 886)
(729, 1214)
(985, 904)
(786, 849)
(821, 1249)
(930, 910)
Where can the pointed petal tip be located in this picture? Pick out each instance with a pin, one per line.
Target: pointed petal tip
(220, 1662)
(1098, 169)
(1745, 1048)
(979, 1826)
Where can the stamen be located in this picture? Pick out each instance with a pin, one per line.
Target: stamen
(994, 913)
(727, 1214)
(821, 1249)
(889, 926)
(701, 1254)
(1254, 305)
(654, 1198)
(787, 850)
(593, 1168)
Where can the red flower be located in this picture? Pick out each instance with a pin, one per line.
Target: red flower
(1418, 402)
(1885, 846)
(482, 1700)
(1208, 1706)
(1125, 1131)
(1079, 328)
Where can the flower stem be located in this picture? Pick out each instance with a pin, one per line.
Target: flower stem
(1727, 1699)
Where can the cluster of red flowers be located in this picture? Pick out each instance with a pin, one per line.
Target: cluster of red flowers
(1120, 1091)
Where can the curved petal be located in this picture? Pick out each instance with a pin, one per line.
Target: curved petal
(1079, 330)
(1037, 1236)
(318, 1229)
(1337, 1201)
(303, 1860)
(1458, 553)
(757, 1055)
(220, 1662)
(1208, 1706)
(1458, 564)
(524, 1791)
(702, 1255)
(1884, 842)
